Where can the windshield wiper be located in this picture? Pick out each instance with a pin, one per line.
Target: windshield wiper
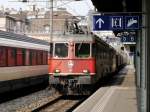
(79, 47)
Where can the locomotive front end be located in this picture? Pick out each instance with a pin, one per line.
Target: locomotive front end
(72, 64)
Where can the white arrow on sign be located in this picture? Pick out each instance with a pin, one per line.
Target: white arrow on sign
(100, 21)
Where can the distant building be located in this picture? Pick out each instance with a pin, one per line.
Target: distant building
(36, 22)
(16, 23)
(39, 26)
(38, 13)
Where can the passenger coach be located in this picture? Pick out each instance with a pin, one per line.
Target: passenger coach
(23, 61)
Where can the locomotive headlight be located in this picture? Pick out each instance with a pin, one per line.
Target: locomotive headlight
(86, 71)
(57, 71)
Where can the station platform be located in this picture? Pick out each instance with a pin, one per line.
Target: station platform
(120, 96)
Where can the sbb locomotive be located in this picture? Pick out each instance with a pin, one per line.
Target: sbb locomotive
(77, 62)
(23, 61)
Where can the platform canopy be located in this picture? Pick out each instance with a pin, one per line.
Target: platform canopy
(118, 5)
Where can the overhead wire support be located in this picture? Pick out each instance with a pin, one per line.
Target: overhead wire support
(51, 20)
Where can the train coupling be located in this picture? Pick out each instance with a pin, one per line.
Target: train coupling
(72, 83)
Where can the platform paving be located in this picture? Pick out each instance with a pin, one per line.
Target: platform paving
(117, 97)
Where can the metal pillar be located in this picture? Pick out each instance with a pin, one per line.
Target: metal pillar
(51, 20)
(148, 55)
(144, 63)
(138, 68)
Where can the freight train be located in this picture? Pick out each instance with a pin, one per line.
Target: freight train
(23, 61)
(77, 62)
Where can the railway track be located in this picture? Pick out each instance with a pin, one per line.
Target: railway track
(61, 104)
(48, 100)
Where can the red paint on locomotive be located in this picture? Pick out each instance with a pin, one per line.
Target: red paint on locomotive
(72, 66)
(72, 62)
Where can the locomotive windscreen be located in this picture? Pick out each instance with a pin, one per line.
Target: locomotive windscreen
(82, 49)
(61, 49)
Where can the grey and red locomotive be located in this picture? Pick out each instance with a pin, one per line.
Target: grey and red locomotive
(77, 62)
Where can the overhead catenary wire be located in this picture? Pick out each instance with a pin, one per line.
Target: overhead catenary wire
(58, 6)
(63, 4)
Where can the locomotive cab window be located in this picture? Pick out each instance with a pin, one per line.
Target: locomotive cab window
(61, 50)
(82, 50)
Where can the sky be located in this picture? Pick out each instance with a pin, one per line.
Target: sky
(78, 8)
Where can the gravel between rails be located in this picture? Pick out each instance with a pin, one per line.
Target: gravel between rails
(29, 102)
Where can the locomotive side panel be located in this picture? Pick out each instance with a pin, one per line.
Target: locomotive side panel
(104, 59)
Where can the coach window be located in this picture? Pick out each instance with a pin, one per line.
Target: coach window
(19, 57)
(61, 49)
(12, 56)
(34, 57)
(82, 50)
(44, 57)
(39, 57)
(3, 57)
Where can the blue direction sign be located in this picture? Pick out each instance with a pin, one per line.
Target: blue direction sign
(116, 22)
(107, 22)
(128, 39)
(131, 22)
(100, 23)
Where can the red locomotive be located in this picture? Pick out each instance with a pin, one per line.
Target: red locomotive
(23, 61)
(77, 62)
